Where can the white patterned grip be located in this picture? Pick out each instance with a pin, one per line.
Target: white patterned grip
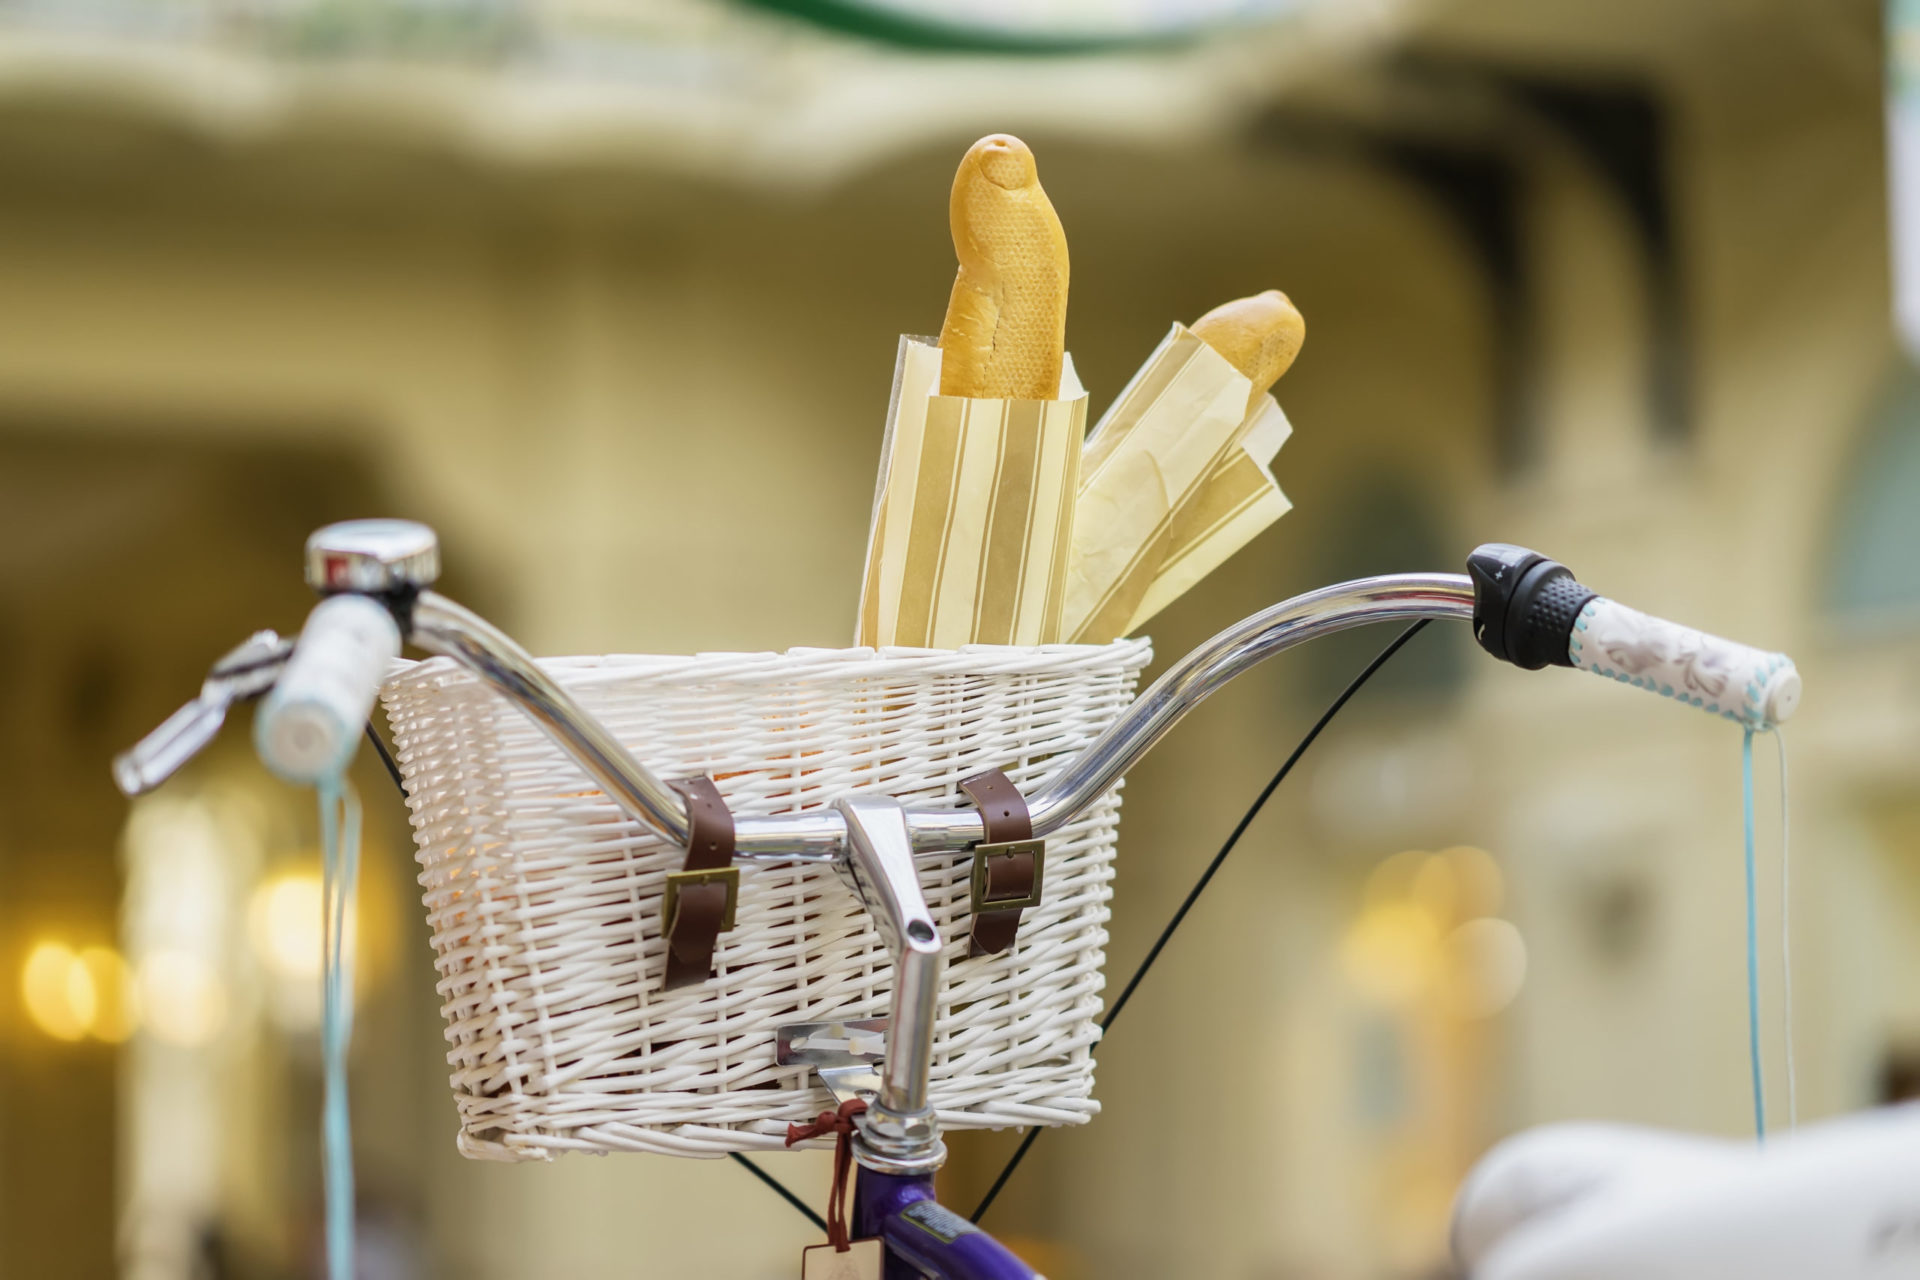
(311, 722)
(1756, 688)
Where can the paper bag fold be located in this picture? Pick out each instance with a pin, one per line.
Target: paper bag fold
(1174, 480)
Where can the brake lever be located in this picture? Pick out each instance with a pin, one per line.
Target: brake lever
(246, 671)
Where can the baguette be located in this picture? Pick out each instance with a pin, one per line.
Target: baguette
(1259, 336)
(1006, 325)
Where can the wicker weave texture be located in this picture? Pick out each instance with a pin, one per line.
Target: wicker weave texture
(543, 898)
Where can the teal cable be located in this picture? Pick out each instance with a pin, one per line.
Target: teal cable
(1786, 936)
(1753, 950)
(340, 872)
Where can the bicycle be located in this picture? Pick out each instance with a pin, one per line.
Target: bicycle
(376, 578)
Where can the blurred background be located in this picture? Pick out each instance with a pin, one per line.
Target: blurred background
(608, 292)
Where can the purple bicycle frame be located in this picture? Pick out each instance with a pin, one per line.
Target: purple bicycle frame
(924, 1238)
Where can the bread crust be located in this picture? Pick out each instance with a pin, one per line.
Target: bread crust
(1006, 326)
(1260, 336)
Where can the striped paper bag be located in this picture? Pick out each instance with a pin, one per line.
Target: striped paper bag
(1173, 481)
(973, 513)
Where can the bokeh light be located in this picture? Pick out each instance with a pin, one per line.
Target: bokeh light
(116, 1002)
(183, 997)
(1391, 953)
(1486, 965)
(1481, 888)
(284, 924)
(72, 994)
(58, 991)
(1427, 927)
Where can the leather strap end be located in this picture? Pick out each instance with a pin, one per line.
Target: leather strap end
(993, 932)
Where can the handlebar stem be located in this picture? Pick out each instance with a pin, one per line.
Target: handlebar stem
(898, 1134)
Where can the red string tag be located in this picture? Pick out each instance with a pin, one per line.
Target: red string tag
(839, 1123)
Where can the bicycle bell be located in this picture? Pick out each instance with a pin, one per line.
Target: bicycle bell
(373, 556)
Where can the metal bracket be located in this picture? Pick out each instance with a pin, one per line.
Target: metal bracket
(848, 1083)
(845, 1055)
(830, 1044)
(985, 853)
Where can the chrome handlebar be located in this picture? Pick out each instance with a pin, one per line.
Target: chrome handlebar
(1525, 609)
(443, 627)
(395, 562)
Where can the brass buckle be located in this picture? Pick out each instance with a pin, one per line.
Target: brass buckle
(678, 880)
(983, 852)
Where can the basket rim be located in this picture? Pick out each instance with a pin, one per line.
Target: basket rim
(768, 666)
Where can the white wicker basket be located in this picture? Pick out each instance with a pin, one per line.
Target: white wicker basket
(544, 898)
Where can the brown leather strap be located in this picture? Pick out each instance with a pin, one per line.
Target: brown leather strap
(840, 1123)
(709, 824)
(1003, 814)
(701, 908)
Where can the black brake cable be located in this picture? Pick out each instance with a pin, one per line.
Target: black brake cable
(779, 1188)
(386, 758)
(774, 1184)
(1206, 878)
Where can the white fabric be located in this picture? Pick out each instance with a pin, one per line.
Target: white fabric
(544, 898)
(1839, 1201)
(1547, 1170)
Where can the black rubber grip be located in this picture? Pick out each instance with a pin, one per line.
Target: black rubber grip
(1524, 605)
